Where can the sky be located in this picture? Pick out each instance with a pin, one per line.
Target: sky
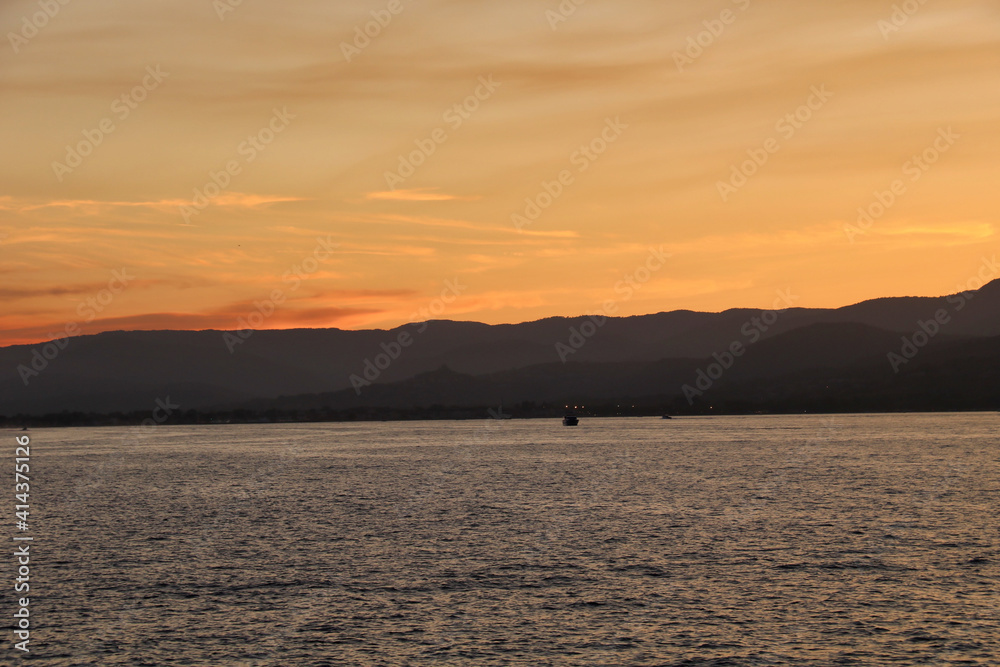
(186, 164)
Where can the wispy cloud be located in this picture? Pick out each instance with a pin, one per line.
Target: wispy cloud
(93, 206)
(416, 194)
(970, 231)
(426, 221)
(223, 319)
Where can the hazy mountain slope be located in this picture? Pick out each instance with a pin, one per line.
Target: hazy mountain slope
(846, 364)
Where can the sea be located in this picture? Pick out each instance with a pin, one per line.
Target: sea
(715, 541)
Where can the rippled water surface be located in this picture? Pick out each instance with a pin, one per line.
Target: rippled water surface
(802, 540)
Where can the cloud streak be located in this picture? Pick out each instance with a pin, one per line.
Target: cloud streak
(415, 195)
(96, 207)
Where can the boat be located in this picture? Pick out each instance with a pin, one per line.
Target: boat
(570, 420)
(667, 417)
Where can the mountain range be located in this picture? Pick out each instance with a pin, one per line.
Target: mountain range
(903, 353)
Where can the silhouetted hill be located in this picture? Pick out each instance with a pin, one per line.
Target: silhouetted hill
(843, 364)
(646, 357)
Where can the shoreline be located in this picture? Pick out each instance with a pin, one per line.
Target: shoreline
(79, 420)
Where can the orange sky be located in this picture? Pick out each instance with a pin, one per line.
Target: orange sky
(331, 121)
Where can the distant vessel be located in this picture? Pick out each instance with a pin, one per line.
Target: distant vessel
(570, 420)
(667, 417)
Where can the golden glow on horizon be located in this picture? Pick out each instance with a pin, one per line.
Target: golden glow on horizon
(473, 108)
